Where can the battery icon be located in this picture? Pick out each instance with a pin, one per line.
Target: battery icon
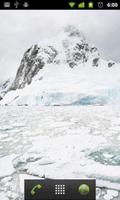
(90, 4)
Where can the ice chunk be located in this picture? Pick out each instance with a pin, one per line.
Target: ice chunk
(6, 166)
(3, 196)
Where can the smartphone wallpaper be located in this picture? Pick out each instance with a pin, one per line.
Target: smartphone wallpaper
(59, 99)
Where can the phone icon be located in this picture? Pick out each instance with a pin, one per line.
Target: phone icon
(35, 189)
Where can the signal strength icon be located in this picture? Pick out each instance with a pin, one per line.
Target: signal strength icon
(81, 5)
(72, 4)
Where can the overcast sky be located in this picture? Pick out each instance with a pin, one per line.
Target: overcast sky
(20, 29)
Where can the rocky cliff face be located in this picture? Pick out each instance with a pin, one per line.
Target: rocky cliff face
(77, 49)
(71, 48)
(4, 87)
(33, 60)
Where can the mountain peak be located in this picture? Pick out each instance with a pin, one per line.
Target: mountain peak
(72, 31)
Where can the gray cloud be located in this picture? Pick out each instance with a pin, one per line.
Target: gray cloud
(20, 29)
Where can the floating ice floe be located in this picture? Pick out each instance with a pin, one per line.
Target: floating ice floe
(3, 196)
(6, 166)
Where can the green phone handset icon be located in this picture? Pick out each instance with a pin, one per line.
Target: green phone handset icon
(35, 189)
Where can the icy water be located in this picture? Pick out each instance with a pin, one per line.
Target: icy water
(60, 142)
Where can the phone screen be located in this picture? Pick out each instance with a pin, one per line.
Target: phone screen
(59, 100)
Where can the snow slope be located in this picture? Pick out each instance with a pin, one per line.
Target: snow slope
(60, 85)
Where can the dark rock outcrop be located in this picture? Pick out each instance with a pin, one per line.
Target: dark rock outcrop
(1, 98)
(95, 62)
(4, 87)
(111, 63)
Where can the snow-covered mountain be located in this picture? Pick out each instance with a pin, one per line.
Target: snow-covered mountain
(71, 49)
(66, 71)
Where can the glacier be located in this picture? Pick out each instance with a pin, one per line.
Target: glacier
(61, 85)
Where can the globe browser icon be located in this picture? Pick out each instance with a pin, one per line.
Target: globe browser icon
(84, 189)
